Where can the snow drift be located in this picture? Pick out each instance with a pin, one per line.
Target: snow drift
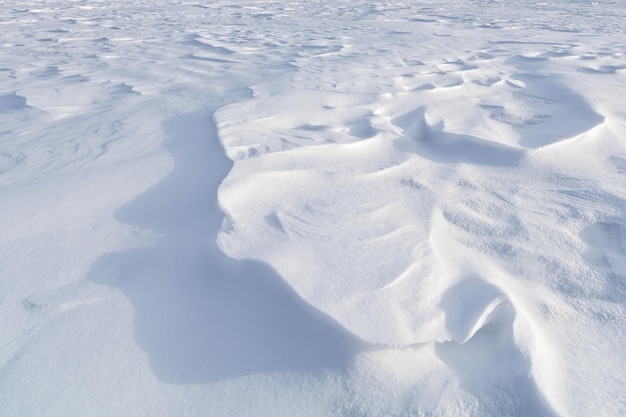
(319, 208)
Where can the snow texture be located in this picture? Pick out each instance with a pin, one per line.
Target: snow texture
(320, 208)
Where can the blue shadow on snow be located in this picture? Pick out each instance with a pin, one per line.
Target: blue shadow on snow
(199, 315)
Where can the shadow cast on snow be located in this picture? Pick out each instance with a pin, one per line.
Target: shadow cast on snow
(489, 363)
(199, 315)
(432, 143)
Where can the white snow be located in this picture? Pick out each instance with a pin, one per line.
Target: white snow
(321, 208)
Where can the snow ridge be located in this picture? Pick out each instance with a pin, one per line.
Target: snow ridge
(434, 200)
(319, 208)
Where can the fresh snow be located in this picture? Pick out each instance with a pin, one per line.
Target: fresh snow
(320, 208)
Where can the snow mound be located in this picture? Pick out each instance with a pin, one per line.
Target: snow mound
(245, 208)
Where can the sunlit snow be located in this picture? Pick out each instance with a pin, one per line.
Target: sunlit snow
(317, 208)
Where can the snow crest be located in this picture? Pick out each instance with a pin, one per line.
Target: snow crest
(429, 195)
(321, 208)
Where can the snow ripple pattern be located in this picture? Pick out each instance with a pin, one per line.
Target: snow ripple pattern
(425, 195)
(320, 208)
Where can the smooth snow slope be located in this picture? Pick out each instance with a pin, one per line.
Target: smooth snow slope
(312, 208)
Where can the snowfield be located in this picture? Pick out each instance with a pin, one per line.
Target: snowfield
(317, 208)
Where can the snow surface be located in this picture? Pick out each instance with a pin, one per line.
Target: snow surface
(320, 208)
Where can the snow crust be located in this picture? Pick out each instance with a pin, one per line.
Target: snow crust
(320, 208)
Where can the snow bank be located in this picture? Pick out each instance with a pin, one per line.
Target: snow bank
(320, 208)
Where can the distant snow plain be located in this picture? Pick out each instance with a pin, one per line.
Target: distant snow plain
(317, 208)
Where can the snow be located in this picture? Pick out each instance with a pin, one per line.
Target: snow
(315, 208)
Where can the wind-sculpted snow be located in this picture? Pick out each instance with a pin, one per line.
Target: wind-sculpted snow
(433, 194)
(312, 208)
